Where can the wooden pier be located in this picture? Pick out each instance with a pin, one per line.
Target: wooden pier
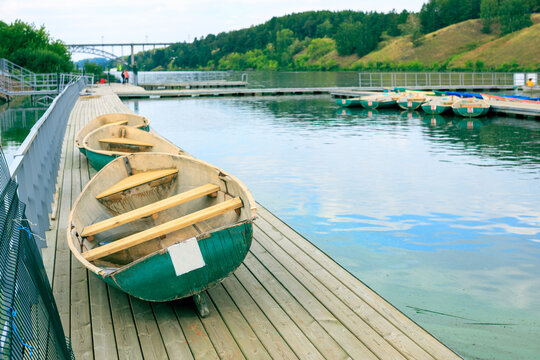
(137, 92)
(288, 300)
(196, 85)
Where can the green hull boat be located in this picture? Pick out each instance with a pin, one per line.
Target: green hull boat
(410, 103)
(353, 102)
(110, 119)
(380, 103)
(470, 107)
(438, 105)
(106, 143)
(162, 227)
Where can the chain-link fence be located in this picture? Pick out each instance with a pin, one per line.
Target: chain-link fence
(30, 327)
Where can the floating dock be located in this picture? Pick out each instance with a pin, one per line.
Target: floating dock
(196, 85)
(129, 91)
(288, 300)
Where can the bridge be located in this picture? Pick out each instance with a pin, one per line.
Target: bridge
(98, 49)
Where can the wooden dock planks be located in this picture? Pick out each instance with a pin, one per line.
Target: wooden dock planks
(288, 300)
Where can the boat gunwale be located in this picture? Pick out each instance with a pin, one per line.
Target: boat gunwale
(80, 142)
(99, 270)
(123, 153)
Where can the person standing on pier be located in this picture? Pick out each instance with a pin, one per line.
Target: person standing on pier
(126, 75)
(123, 77)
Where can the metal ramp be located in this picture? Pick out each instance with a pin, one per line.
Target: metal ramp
(15, 80)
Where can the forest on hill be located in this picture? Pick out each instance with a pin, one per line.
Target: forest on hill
(445, 35)
(33, 48)
(341, 40)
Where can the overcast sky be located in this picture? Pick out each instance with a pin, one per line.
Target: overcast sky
(95, 21)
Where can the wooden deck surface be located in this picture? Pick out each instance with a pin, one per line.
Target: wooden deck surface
(288, 300)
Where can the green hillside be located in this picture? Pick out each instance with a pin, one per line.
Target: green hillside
(461, 46)
(520, 48)
(349, 40)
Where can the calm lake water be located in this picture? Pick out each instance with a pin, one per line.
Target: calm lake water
(441, 216)
(15, 123)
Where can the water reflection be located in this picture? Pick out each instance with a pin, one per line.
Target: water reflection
(442, 220)
(15, 124)
(435, 120)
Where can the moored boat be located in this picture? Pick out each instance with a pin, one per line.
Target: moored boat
(351, 102)
(161, 227)
(412, 101)
(111, 141)
(439, 104)
(470, 107)
(111, 119)
(378, 101)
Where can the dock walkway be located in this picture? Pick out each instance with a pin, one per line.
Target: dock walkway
(288, 300)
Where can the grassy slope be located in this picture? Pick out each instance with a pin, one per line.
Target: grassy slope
(436, 46)
(460, 43)
(521, 47)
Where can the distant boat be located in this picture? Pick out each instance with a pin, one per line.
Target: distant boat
(161, 227)
(109, 142)
(351, 102)
(111, 119)
(378, 101)
(470, 107)
(437, 105)
(411, 101)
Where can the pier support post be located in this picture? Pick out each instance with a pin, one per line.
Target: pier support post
(201, 303)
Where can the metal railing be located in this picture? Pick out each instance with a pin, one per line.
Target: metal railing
(184, 77)
(16, 80)
(30, 326)
(35, 163)
(435, 80)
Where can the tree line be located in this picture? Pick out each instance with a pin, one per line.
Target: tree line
(290, 42)
(33, 48)
(512, 15)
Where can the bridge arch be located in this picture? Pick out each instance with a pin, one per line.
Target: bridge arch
(95, 51)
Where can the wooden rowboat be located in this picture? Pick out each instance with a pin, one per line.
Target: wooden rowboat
(161, 227)
(111, 119)
(378, 101)
(411, 101)
(437, 105)
(470, 107)
(352, 102)
(111, 141)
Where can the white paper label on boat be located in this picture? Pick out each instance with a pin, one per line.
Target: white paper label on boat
(186, 256)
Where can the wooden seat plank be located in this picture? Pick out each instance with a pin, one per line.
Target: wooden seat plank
(121, 122)
(135, 180)
(149, 209)
(163, 229)
(125, 141)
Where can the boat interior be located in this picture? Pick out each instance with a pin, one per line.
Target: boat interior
(111, 119)
(141, 204)
(121, 139)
